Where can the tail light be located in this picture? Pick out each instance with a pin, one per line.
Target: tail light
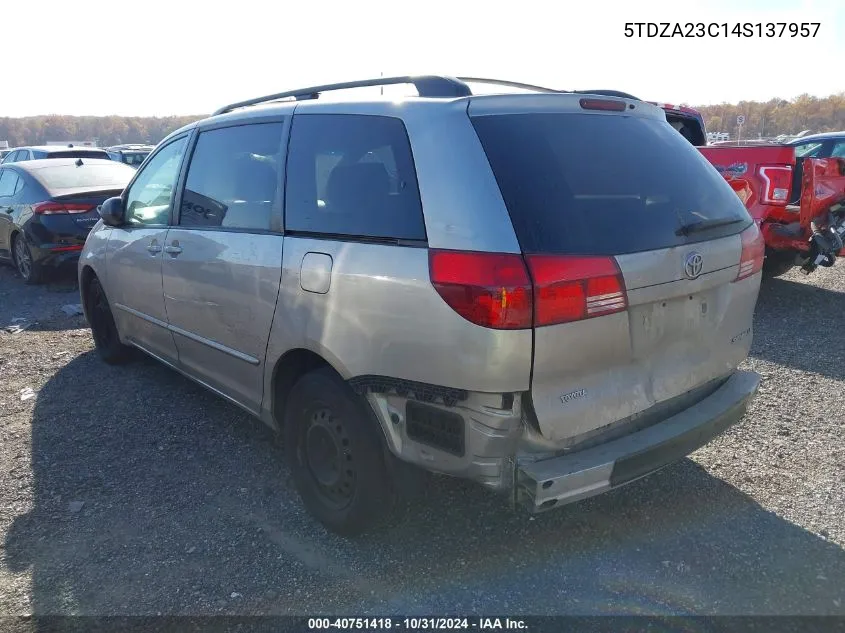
(777, 181)
(753, 251)
(60, 208)
(489, 289)
(575, 288)
(494, 290)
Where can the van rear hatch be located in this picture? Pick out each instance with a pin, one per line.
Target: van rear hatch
(644, 262)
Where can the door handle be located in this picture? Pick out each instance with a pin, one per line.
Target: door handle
(154, 248)
(173, 249)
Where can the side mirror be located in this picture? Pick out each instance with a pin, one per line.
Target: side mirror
(113, 212)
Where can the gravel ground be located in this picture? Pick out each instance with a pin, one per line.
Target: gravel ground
(132, 491)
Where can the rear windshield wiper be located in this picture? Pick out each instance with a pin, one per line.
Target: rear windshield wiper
(703, 225)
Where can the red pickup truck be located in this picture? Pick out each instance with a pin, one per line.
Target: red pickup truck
(800, 208)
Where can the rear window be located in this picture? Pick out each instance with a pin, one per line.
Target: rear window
(603, 184)
(71, 176)
(134, 158)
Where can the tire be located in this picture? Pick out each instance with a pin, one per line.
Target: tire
(103, 327)
(31, 273)
(336, 454)
(778, 263)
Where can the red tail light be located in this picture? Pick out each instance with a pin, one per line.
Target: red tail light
(58, 208)
(602, 104)
(777, 181)
(489, 289)
(494, 289)
(753, 251)
(575, 288)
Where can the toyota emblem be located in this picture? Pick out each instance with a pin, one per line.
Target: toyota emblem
(693, 265)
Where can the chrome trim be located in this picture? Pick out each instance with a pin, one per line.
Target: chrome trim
(141, 315)
(214, 344)
(195, 379)
(194, 337)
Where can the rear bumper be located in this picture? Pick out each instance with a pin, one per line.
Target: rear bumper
(548, 483)
(57, 256)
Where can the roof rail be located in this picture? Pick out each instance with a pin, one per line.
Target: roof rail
(511, 84)
(426, 85)
(609, 93)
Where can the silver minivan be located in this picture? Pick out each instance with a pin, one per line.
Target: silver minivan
(547, 292)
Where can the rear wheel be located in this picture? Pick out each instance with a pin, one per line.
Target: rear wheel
(103, 327)
(336, 455)
(778, 263)
(29, 271)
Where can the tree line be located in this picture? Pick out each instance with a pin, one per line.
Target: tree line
(777, 116)
(762, 119)
(106, 130)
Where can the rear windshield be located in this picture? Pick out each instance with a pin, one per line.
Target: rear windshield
(604, 184)
(76, 153)
(115, 175)
(133, 158)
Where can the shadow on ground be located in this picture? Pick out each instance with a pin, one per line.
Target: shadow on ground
(800, 325)
(152, 496)
(39, 307)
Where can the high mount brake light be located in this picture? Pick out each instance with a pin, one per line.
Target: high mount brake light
(603, 104)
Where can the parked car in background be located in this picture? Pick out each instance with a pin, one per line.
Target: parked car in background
(37, 152)
(801, 217)
(132, 155)
(47, 208)
(549, 294)
(825, 145)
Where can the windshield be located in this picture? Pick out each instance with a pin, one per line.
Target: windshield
(808, 150)
(605, 184)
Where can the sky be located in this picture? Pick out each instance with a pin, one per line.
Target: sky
(160, 58)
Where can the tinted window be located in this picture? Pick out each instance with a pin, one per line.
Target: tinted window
(808, 150)
(86, 175)
(352, 175)
(150, 197)
(233, 178)
(132, 158)
(39, 154)
(838, 149)
(8, 183)
(603, 184)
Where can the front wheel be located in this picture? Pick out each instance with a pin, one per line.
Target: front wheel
(336, 456)
(103, 327)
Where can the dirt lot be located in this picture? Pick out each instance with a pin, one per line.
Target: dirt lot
(131, 491)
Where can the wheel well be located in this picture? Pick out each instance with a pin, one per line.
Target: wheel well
(87, 275)
(290, 368)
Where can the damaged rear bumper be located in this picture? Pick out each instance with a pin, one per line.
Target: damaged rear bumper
(548, 483)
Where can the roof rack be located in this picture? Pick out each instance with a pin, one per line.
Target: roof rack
(438, 86)
(510, 84)
(426, 85)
